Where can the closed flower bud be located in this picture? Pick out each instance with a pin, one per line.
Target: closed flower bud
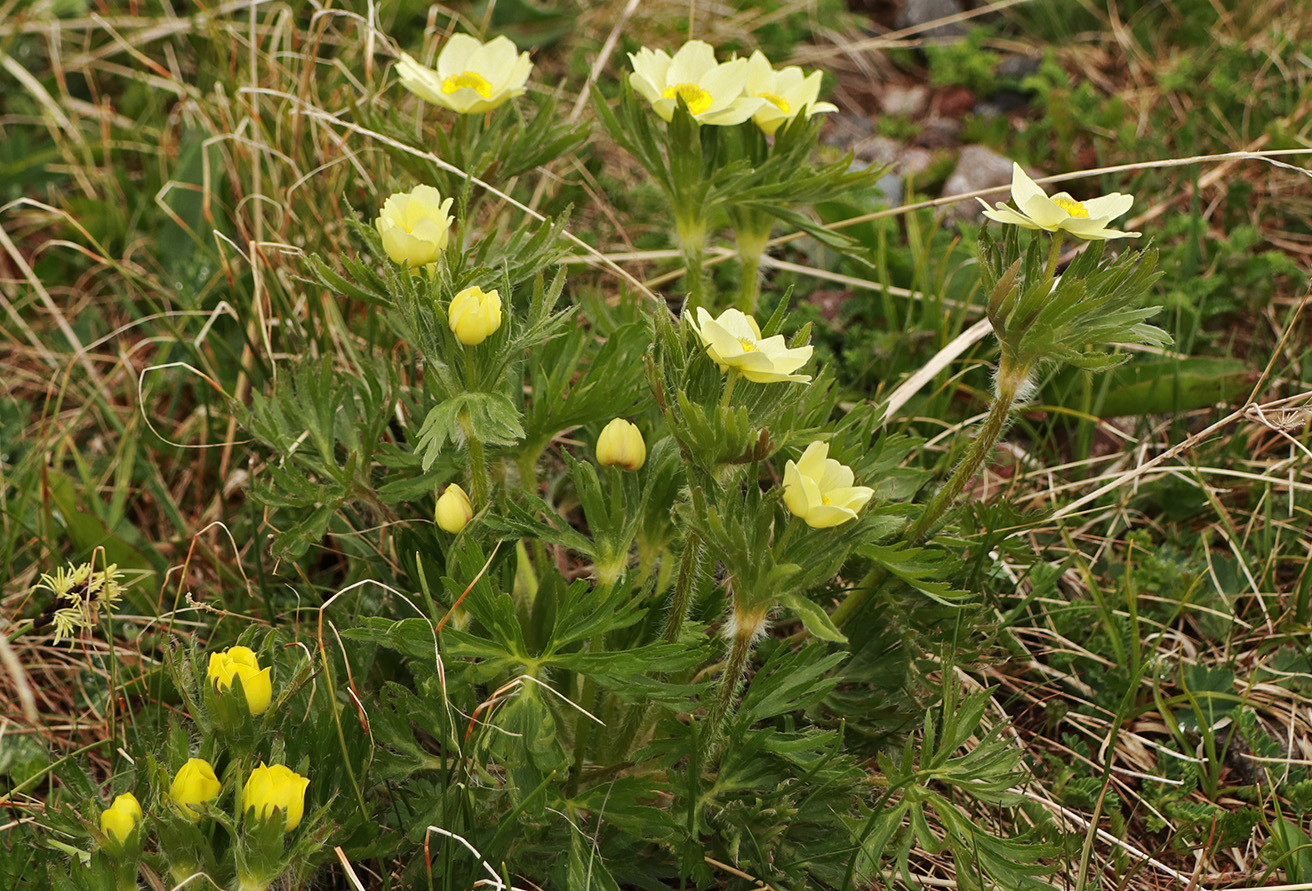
(195, 783)
(819, 489)
(474, 314)
(454, 509)
(620, 445)
(415, 226)
(275, 788)
(121, 817)
(240, 662)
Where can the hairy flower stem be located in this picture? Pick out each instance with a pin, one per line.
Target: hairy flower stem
(477, 463)
(691, 234)
(747, 626)
(683, 588)
(583, 724)
(1011, 378)
(1054, 254)
(751, 247)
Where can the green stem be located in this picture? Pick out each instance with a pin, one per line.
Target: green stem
(1054, 254)
(730, 381)
(747, 626)
(691, 234)
(1010, 380)
(683, 588)
(751, 247)
(583, 723)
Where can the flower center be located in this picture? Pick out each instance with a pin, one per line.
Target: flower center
(468, 79)
(779, 101)
(697, 99)
(1072, 207)
(749, 346)
(824, 499)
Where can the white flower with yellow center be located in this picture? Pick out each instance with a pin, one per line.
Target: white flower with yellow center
(819, 489)
(713, 91)
(1060, 213)
(786, 92)
(471, 77)
(415, 226)
(734, 341)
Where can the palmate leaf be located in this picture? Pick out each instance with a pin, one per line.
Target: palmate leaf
(490, 417)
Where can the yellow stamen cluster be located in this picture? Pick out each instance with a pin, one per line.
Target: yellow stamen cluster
(778, 101)
(1074, 208)
(697, 99)
(471, 79)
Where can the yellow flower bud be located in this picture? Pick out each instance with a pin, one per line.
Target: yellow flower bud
(241, 662)
(275, 788)
(620, 445)
(474, 314)
(415, 226)
(454, 509)
(194, 783)
(121, 817)
(819, 489)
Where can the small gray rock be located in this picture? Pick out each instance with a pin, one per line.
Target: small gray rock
(1017, 67)
(909, 101)
(914, 13)
(977, 168)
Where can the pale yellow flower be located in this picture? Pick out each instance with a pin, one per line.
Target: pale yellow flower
(620, 445)
(471, 77)
(415, 226)
(1060, 213)
(195, 783)
(734, 341)
(454, 510)
(241, 662)
(474, 314)
(786, 92)
(276, 788)
(120, 818)
(819, 489)
(713, 91)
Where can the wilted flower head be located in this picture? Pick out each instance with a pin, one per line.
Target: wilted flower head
(471, 77)
(120, 818)
(474, 315)
(1060, 213)
(454, 510)
(84, 591)
(241, 662)
(712, 91)
(415, 226)
(786, 92)
(195, 783)
(819, 489)
(275, 787)
(734, 341)
(620, 445)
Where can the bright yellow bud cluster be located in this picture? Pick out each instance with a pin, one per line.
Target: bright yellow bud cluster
(120, 818)
(725, 93)
(275, 788)
(241, 662)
